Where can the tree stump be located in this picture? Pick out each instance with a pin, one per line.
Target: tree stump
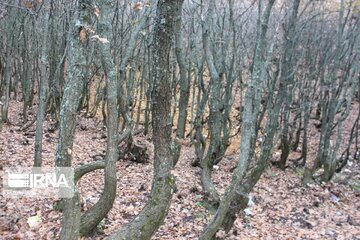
(138, 153)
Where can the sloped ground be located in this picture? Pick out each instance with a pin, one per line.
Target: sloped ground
(282, 208)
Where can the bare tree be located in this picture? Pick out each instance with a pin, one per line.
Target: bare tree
(42, 86)
(248, 131)
(157, 206)
(68, 112)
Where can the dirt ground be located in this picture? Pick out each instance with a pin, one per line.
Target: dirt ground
(281, 207)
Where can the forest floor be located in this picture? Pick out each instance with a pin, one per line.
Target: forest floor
(282, 208)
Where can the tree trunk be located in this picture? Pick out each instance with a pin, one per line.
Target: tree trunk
(68, 112)
(42, 87)
(287, 80)
(157, 206)
(91, 218)
(247, 129)
(184, 83)
(211, 195)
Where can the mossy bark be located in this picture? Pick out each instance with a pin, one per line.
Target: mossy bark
(68, 112)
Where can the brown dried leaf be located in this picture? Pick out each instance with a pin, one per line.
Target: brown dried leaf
(138, 6)
(83, 35)
(28, 4)
(97, 12)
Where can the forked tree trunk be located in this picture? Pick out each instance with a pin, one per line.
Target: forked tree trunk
(325, 156)
(252, 101)
(240, 199)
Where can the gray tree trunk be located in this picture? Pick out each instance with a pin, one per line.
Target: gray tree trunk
(212, 154)
(91, 218)
(68, 112)
(184, 83)
(252, 101)
(157, 206)
(42, 85)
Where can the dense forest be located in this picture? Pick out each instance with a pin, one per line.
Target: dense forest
(183, 119)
